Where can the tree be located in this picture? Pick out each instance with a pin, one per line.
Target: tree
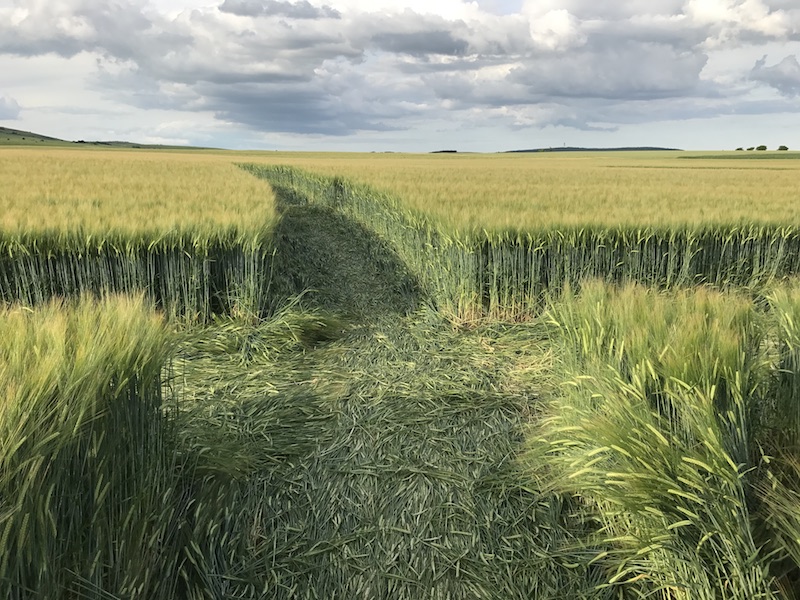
(751, 148)
(762, 148)
(783, 147)
(738, 149)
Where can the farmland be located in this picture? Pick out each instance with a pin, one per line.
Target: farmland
(398, 376)
(101, 192)
(469, 192)
(189, 229)
(539, 190)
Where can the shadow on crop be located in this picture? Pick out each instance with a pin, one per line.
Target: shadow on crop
(336, 263)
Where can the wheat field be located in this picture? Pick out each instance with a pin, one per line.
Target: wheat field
(166, 190)
(129, 192)
(266, 375)
(546, 190)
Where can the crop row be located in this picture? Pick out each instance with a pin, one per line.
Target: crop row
(678, 428)
(85, 450)
(504, 273)
(530, 191)
(185, 276)
(198, 273)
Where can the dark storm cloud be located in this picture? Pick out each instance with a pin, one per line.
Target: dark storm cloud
(265, 51)
(784, 77)
(457, 64)
(421, 43)
(300, 109)
(600, 69)
(337, 102)
(277, 8)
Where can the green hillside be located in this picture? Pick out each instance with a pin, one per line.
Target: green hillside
(17, 137)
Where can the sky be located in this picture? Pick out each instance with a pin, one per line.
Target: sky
(416, 76)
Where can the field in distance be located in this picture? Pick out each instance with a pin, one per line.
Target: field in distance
(148, 190)
(129, 191)
(551, 190)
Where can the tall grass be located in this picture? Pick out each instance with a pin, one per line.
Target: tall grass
(300, 465)
(671, 430)
(509, 273)
(446, 266)
(189, 230)
(784, 303)
(187, 276)
(87, 494)
(779, 491)
(94, 221)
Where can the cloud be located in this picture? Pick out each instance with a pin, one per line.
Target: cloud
(344, 66)
(607, 71)
(68, 27)
(420, 43)
(277, 8)
(732, 22)
(557, 30)
(784, 77)
(266, 109)
(9, 108)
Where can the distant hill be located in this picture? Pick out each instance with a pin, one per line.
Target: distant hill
(623, 149)
(17, 137)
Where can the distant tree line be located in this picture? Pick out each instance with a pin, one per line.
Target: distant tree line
(762, 148)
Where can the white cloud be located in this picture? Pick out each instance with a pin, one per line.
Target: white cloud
(557, 30)
(9, 108)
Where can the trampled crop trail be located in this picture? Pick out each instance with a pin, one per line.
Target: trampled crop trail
(338, 264)
(379, 445)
